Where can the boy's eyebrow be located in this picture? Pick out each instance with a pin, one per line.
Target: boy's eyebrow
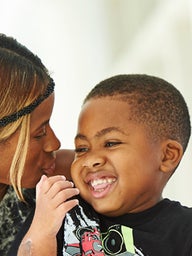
(100, 133)
(108, 130)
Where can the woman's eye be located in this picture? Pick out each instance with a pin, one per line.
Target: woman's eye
(112, 143)
(41, 134)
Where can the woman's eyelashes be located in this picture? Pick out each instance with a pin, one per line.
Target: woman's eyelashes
(41, 133)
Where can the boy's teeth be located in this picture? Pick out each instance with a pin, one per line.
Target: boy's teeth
(102, 181)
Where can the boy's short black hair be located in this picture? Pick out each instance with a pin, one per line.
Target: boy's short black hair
(154, 102)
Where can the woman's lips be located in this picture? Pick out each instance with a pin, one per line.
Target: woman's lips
(50, 170)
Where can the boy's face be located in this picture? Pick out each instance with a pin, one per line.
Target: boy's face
(117, 166)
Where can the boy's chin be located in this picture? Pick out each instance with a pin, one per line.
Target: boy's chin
(105, 209)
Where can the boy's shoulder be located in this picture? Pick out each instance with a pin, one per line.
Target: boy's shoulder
(176, 209)
(164, 229)
(166, 211)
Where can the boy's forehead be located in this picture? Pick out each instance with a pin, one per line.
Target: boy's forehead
(100, 133)
(106, 101)
(100, 113)
(108, 118)
(104, 105)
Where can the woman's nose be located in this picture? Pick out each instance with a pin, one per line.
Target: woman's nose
(52, 143)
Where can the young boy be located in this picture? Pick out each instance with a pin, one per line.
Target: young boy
(132, 133)
(131, 136)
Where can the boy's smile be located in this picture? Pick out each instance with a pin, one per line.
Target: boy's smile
(117, 165)
(100, 187)
(102, 183)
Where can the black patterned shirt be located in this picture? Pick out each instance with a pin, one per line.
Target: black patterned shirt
(13, 213)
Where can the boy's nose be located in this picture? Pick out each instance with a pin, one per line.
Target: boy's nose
(92, 162)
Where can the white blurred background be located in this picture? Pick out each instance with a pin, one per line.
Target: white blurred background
(85, 41)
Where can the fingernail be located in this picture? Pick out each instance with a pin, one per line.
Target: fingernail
(77, 190)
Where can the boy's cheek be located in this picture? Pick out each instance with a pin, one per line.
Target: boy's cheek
(74, 173)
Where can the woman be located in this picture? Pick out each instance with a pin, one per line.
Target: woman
(27, 141)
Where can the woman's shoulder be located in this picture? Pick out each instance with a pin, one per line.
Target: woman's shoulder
(13, 213)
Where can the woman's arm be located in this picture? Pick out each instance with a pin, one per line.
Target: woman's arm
(64, 158)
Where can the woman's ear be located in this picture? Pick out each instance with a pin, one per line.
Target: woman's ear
(172, 155)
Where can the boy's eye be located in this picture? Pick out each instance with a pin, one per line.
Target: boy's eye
(112, 143)
(81, 150)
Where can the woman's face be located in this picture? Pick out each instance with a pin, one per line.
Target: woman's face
(40, 156)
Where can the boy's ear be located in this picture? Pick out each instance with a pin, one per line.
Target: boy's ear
(172, 154)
